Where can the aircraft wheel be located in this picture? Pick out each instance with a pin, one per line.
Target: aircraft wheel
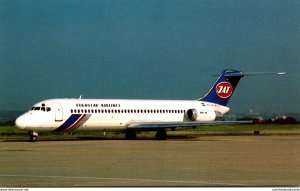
(130, 135)
(33, 138)
(161, 134)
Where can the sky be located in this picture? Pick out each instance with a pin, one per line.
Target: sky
(148, 49)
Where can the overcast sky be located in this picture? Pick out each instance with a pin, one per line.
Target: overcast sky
(148, 49)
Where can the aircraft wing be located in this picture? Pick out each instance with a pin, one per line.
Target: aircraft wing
(136, 125)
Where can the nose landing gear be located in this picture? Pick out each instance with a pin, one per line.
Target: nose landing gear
(33, 136)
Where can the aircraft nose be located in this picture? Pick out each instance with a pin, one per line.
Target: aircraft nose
(20, 122)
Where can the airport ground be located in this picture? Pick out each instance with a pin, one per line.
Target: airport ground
(187, 158)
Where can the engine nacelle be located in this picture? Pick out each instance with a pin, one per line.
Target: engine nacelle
(209, 115)
(191, 114)
(194, 115)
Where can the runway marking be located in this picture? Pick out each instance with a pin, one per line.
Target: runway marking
(127, 179)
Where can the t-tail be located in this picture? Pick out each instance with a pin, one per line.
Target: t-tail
(222, 90)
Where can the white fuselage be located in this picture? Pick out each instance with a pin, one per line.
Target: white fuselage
(66, 115)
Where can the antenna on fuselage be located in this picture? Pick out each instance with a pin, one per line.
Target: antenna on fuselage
(80, 96)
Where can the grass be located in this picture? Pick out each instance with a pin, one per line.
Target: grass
(253, 127)
(12, 132)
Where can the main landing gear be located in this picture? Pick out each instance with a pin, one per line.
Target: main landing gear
(33, 136)
(161, 134)
(130, 135)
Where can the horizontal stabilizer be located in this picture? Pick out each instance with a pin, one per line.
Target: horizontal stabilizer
(222, 90)
(241, 74)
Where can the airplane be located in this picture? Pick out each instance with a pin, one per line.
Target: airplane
(133, 115)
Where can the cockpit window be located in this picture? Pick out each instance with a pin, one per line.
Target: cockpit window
(43, 108)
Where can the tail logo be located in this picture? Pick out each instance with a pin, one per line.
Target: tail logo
(224, 89)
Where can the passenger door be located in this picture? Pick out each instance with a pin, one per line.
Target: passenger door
(58, 111)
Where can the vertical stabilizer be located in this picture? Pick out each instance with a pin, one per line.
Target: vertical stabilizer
(224, 87)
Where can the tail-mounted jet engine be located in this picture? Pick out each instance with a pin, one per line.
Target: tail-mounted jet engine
(191, 114)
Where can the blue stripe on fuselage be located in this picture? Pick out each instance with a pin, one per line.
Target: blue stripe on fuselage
(70, 121)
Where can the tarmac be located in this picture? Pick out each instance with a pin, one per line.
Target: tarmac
(215, 160)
